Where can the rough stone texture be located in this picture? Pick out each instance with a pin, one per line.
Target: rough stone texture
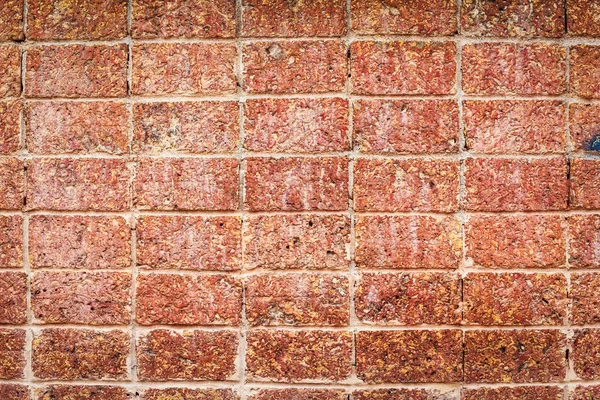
(298, 394)
(585, 184)
(401, 394)
(11, 21)
(403, 67)
(514, 393)
(76, 70)
(513, 126)
(191, 355)
(409, 356)
(10, 65)
(584, 127)
(183, 19)
(516, 184)
(186, 184)
(10, 126)
(585, 71)
(74, 354)
(296, 125)
(183, 68)
(13, 304)
(585, 355)
(294, 67)
(12, 183)
(189, 242)
(189, 394)
(72, 392)
(295, 184)
(14, 392)
(11, 241)
(585, 392)
(520, 356)
(297, 299)
(187, 127)
(583, 18)
(168, 299)
(507, 68)
(584, 241)
(298, 356)
(12, 353)
(296, 242)
(531, 241)
(406, 185)
(408, 298)
(585, 298)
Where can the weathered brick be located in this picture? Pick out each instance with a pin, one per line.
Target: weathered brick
(583, 17)
(192, 355)
(298, 394)
(297, 299)
(189, 394)
(13, 304)
(585, 357)
(10, 126)
(296, 125)
(14, 392)
(514, 299)
(11, 241)
(584, 241)
(189, 242)
(409, 356)
(10, 65)
(72, 392)
(83, 19)
(76, 70)
(435, 17)
(183, 19)
(584, 127)
(406, 127)
(12, 353)
(513, 126)
(584, 184)
(296, 356)
(294, 67)
(187, 184)
(513, 18)
(12, 183)
(531, 241)
(296, 242)
(406, 185)
(400, 394)
(406, 242)
(74, 354)
(408, 298)
(163, 299)
(514, 393)
(294, 184)
(11, 20)
(585, 71)
(507, 68)
(585, 392)
(585, 298)
(519, 356)
(190, 127)
(516, 184)
(183, 68)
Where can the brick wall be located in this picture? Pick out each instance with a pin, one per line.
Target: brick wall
(287, 199)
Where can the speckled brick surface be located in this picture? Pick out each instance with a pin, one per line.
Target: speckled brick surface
(13, 305)
(14, 392)
(584, 125)
(10, 126)
(12, 185)
(583, 17)
(517, 393)
(11, 241)
(189, 394)
(71, 392)
(585, 184)
(585, 71)
(584, 241)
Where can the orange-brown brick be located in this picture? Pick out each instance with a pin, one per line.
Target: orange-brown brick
(585, 357)
(13, 304)
(585, 184)
(296, 125)
(190, 355)
(163, 299)
(403, 67)
(295, 356)
(584, 127)
(585, 298)
(82, 392)
(298, 394)
(409, 356)
(514, 393)
(12, 183)
(11, 20)
(10, 126)
(10, 65)
(585, 71)
(12, 391)
(12, 353)
(11, 241)
(584, 241)
(189, 394)
(585, 392)
(400, 394)
(294, 184)
(519, 356)
(507, 68)
(189, 242)
(583, 17)
(408, 298)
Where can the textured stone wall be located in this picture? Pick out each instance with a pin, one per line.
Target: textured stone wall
(293, 199)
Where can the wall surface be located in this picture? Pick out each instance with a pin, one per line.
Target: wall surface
(292, 199)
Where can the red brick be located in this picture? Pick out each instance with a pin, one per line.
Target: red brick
(190, 127)
(584, 127)
(186, 184)
(183, 68)
(513, 126)
(403, 67)
(406, 185)
(585, 357)
(584, 241)
(296, 125)
(508, 68)
(408, 298)
(516, 184)
(83, 19)
(10, 65)
(76, 71)
(406, 242)
(294, 184)
(14, 392)
(72, 392)
(585, 392)
(12, 353)
(296, 242)
(12, 183)
(189, 242)
(13, 304)
(585, 184)
(183, 19)
(189, 394)
(294, 67)
(585, 71)
(298, 394)
(74, 354)
(530, 241)
(78, 184)
(192, 355)
(400, 394)
(11, 241)
(523, 356)
(297, 299)
(283, 18)
(10, 126)
(296, 356)
(11, 21)
(585, 298)
(409, 356)
(513, 18)
(583, 17)
(434, 17)
(514, 393)
(406, 126)
(163, 299)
